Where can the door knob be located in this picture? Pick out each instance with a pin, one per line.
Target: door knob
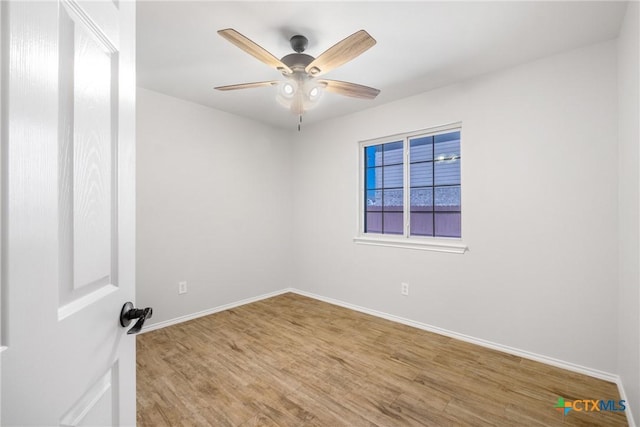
(128, 313)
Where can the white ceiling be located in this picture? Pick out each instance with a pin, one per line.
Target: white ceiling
(421, 46)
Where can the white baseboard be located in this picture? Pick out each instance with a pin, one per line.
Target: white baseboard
(185, 318)
(477, 341)
(623, 396)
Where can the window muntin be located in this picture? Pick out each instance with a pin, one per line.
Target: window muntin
(429, 178)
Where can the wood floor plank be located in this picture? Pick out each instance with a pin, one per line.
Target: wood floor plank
(296, 361)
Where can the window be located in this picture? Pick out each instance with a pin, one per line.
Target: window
(411, 190)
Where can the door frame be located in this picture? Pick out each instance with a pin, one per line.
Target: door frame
(3, 308)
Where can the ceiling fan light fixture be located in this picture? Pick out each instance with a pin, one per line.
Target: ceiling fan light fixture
(288, 89)
(312, 94)
(286, 93)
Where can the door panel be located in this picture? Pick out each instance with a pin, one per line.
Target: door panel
(96, 407)
(88, 73)
(69, 212)
(92, 157)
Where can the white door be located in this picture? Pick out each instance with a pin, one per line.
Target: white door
(68, 213)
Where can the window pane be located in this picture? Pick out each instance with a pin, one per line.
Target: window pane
(393, 176)
(447, 172)
(392, 153)
(373, 176)
(421, 224)
(421, 149)
(422, 200)
(447, 145)
(392, 222)
(393, 200)
(448, 225)
(421, 174)
(373, 155)
(374, 222)
(374, 200)
(447, 198)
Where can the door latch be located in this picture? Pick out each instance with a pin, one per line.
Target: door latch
(128, 313)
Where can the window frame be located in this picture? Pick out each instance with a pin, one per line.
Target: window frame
(406, 240)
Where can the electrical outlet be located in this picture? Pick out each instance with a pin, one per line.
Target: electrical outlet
(182, 287)
(404, 288)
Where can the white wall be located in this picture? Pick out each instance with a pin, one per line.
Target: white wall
(539, 171)
(629, 212)
(214, 207)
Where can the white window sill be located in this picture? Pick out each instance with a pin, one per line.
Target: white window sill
(454, 246)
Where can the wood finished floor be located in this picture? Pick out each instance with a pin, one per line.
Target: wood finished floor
(295, 361)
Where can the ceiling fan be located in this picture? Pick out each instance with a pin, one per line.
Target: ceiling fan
(301, 90)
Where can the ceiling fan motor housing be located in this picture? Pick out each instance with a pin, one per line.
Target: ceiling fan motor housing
(297, 61)
(298, 43)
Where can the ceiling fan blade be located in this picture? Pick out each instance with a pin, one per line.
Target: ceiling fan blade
(349, 89)
(254, 49)
(247, 85)
(341, 52)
